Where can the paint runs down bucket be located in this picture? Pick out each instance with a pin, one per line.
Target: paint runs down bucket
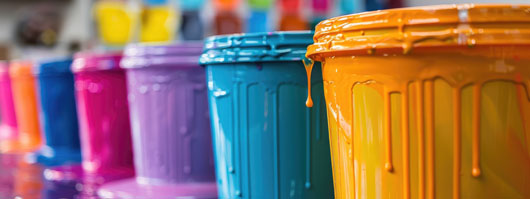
(428, 102)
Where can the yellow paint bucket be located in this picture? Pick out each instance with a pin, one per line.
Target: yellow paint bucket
(428, 102)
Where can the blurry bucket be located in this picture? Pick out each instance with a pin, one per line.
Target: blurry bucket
(8, 124)
(171, 132)
(25, 101)
(58, 114)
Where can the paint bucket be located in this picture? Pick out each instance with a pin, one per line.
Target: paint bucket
(103, 114)
(116, 21)
(267, 143)
(25, 101)
(431, 102)
(58, 114)
(171, 132)
(8, 124)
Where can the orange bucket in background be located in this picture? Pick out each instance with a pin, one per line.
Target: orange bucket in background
(428, 102)
(25, 101)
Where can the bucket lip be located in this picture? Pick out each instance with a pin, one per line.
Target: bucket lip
(19, 68)
(56, 65)
(96, 61)
(401, 28)
(143, 55)
(256, 47)
(4, 66)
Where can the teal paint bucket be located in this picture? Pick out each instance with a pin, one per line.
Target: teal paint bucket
(267, 143)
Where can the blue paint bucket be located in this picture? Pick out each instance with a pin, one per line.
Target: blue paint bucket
(57, 113)
(267, 143)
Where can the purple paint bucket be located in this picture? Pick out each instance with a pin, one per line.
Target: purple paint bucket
(168, 102)
(103, 114)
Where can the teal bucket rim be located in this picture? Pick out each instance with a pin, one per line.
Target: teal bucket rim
(256, 47)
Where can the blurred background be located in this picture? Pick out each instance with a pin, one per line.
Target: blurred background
(33, 29)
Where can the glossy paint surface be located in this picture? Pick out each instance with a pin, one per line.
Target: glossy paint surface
(103, 114)
(58, 113)
(171, 133)
(172, 139)
(267, 143)
(8, 125)
(25, 101)
(429, 110)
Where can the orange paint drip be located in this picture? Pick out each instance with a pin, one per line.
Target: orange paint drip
(405, 141)
(457, 127)
(429, 117)
(308, 69)
(476, 131)
(421, 139)
(457, 44)
(388, 132)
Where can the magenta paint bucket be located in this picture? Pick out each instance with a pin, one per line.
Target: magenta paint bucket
(8, 124)
(103, 114)
(170, 124)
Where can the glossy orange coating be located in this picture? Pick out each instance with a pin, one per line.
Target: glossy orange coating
(25, 101)
(428, 102)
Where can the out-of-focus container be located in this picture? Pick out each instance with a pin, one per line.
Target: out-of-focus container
(103, 114)
(226, 5)
(428, 102)
(258, 21)
(267, 143)
(171, 132)
(159, 23)
(116, 21)
(227, 23)
(58, 113)
(25, 101)
(192, 26)
(101, 93)
(8, 124)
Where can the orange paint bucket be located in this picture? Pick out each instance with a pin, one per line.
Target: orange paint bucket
(428, 102)
(25, 101)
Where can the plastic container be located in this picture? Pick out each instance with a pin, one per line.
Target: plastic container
(267, 143)
(58, 113)
(226, 5)
(159, 23)
(428, 102)
(351, 6)
(8, 124)
(171, 132)
(261, 5)
(25, 101)
(103, 114)
(187, 5)
(320, 7)
(258, 22)
(192, 26)
(116, 21)
(227, 23)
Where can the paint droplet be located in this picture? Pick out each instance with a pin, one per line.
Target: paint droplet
(308, 63)
(475, 172)
(389, 167)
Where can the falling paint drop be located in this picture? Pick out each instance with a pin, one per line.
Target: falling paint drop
(308, 64)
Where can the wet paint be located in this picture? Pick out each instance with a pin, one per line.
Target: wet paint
(104, 132)
(58, 113)
(267, 144)
(25, 101)
(172, 140)
(430, 103)
(8, 124)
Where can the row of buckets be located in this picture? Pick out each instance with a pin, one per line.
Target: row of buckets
(428, 102)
